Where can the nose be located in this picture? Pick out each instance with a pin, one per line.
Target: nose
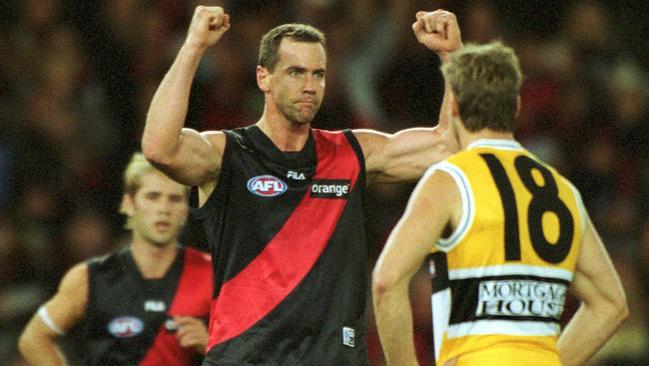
(163, 206)
(310, 85)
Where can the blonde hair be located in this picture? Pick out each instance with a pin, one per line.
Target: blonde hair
(486, 80)
(137, 167)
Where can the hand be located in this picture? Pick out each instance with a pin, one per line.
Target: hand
(191, 333)
(438, 30)
(208, 24)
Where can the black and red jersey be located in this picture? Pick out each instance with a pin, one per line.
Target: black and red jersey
(287, 235)
(127, 319)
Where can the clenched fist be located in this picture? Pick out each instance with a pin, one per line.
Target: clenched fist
(208, 24)
(438, 30)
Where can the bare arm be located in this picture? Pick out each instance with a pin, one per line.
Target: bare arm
(603, 303)
(184, 154)
(439, 31)
(64, 310)
(435, 203)
(405, 156)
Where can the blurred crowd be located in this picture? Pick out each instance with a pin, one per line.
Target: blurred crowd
(76, 78)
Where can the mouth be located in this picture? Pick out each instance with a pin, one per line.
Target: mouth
(162, 225)
(306, 102)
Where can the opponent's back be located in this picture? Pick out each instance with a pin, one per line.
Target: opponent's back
(500, 279)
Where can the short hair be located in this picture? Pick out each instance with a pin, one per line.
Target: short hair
(270, 42)
(486, 80)
(137, 167)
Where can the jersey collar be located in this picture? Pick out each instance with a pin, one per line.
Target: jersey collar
(506, 144)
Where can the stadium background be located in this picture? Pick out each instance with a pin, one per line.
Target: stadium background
(76, 78)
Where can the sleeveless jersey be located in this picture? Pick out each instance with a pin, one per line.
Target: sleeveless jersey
(288, 244)
(128, 318)
(500, 279)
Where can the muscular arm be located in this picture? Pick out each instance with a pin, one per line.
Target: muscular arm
(603, 303)
(405, 156)
(434, 204)
(67, 307)
(184, 154)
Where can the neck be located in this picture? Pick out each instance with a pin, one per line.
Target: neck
(285, 134)
(467, 138)
(153, 261)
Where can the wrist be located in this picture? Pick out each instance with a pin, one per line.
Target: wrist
(444, 56)
(193, 47)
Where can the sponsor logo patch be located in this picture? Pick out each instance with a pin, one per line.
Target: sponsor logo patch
(125, 326)
(266, 186)
(330, 188)
(521, 298)
(153, 305)
(295, 175)
(348, 337)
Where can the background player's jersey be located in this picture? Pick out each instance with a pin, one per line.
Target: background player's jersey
(289, 251)
(501, 278)
(128, 318)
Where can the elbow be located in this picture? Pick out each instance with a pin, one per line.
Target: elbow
(155, 147)
(24, 344)
(616, 309)
(154, 153)
(619, 306)
(622, 309)
(382, 283)
(151, 150)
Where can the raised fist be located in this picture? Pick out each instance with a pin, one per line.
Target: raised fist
(207, 26)
(438, 30)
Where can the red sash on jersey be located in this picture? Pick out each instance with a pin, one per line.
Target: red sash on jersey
(280, 267)
(195, 285)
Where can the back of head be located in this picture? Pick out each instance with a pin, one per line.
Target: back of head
(270, 42)
(485, 80)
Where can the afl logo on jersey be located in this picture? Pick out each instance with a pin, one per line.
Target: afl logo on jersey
(125, 326)
(266, 186)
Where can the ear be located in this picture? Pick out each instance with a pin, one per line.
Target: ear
(263, 79)
(127, 206)
(518, 106)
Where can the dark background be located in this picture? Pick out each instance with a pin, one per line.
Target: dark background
(76, 78)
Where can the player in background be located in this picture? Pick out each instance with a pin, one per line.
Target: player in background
(146, 304)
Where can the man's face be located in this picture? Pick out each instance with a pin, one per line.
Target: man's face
(297, 82)
(158, 210)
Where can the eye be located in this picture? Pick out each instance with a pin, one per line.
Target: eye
(176, 199)
(152, 195)
(294, 73)
(319, 75)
